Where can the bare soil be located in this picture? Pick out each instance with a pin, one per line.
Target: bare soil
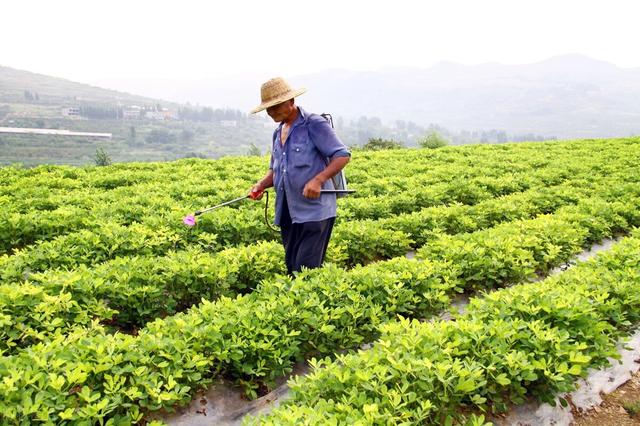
(612, 411)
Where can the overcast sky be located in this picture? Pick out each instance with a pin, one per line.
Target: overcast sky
(89, 41)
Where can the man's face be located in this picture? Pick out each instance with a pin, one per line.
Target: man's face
(281, 111)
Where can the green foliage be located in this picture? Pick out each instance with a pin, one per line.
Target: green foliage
(102, 158)
(140, 289)
(376, 144)
(160, 136)
(257, 338)
(253, 150)
(433, 140)
(54, 201)
(187, 135)
(88, 251)
(530, 339)
(192, 154)
(633, 408)
(181, 279)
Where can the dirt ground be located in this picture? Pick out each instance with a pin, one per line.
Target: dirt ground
(612, 411)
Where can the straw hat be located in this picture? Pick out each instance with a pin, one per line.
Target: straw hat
(274, 92)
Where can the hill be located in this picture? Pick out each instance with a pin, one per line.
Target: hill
(14, 85)
(143, 128)
(567, 96)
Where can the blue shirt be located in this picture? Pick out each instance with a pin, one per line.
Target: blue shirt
(311, 143)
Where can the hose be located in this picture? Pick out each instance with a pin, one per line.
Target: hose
(266, 215)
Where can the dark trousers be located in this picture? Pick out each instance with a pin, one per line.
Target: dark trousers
(305, 244)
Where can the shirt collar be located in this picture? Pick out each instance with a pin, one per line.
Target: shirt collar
(302, 116)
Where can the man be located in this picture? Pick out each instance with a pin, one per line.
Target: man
(305, 155)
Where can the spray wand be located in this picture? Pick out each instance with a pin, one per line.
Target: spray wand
(190, 220)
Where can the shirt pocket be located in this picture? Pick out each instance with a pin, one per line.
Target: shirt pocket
(301, 154)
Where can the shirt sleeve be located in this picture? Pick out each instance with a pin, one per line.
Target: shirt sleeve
(325, 139)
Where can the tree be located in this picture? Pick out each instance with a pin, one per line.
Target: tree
(207, 114)
(102, 158)
(193, 154)
(132, 134)
(433, 140)
(4, 111)
(254, 151)
(376, 144)
(160, 136)
(186, 135)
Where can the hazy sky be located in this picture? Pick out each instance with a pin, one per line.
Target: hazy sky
(90, 40)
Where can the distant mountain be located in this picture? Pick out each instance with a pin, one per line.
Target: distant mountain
(29, 100)
(17, 85)
(570, 96)
(567, 96)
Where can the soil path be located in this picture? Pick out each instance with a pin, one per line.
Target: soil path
(619, 408)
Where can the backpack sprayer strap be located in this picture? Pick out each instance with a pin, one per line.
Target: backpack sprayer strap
(339, 180)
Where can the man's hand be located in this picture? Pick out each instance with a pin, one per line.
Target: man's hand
(312, 189)
(256, 192)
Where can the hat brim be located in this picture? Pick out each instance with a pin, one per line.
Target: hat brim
(278, 100)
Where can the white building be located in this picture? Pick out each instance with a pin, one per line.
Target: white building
(132, 112)
(71, 112)
(154, 115)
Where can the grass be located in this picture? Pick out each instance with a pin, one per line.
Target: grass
(633, 408)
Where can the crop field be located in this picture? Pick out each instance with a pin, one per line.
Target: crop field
(111, 309)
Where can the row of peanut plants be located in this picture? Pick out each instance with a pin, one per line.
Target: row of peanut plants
(177, 180)
(151, 205)
(91, 209)
(131, 291)
(532, 340)
(373, 173)
(34, 213)
(45, 180)
(89, 375)
(225, 228)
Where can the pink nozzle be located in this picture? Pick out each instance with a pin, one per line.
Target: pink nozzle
(189, 220)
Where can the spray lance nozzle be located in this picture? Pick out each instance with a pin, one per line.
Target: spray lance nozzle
(190, 220)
